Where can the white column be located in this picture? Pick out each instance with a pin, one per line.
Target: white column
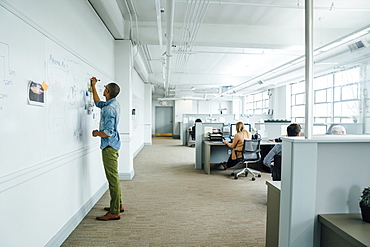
(123, 75)
(148, 114)
(244, 102)
(235, 107)
(309, 68)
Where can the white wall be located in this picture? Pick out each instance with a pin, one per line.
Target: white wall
(235, 107)
(62, 176)
(204, 107)
(280, 102)
(181, 107)
(213, 107)
(138, 102)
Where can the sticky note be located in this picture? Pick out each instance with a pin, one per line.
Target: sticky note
(44, 86)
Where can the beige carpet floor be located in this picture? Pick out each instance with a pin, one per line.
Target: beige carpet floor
(169, 203)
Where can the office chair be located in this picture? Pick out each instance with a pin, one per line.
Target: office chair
(251, 153)
(276, 169)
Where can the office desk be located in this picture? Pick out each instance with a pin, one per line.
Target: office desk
(344, 230)
(216, 152)
(273, 213)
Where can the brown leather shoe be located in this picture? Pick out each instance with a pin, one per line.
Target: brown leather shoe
(121, 209)
(109, 216)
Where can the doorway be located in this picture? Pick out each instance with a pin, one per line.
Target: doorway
(163, 120)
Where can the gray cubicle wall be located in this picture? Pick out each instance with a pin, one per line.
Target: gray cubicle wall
(274, 130)
(199, 138)
(271, 130)
(188, 121)
(351, 128)
(322, 175)
(229, 118)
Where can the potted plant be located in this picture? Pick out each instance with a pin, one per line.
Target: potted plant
(365, 204)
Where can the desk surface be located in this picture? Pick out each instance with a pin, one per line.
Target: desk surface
(263, 142)
(350, 226)
(276, 185)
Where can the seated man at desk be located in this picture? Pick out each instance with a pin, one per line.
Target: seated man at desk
(237, 144)
(292, 130)
(338, 130)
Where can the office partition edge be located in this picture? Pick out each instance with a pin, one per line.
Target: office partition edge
(297, 220)
(199, 133)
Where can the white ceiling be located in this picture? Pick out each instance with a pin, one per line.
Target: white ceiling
(224, 42)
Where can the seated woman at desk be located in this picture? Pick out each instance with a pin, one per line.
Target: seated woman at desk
(237, 144)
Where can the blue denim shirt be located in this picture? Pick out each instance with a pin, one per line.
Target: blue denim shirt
(270, 156)
(109, 119)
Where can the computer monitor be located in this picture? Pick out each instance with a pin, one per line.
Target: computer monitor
(233, 131)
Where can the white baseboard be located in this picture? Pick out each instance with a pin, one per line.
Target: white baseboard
(126, 175)
(68, 228)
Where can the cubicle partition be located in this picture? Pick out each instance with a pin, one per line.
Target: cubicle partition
(189, 119)
(272, 130)
(351, 128)
(201, 134)
(322, 175)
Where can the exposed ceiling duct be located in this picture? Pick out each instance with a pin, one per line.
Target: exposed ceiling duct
(195, 12)
(215, 43)
(170, 4)
(111, 16)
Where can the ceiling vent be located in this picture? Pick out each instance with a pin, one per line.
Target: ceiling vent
(356, 46)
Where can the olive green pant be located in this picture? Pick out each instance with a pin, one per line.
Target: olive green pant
(110, 161)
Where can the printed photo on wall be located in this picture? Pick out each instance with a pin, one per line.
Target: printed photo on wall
(35, 93)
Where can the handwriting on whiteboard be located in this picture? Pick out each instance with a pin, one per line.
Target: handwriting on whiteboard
(6, 74)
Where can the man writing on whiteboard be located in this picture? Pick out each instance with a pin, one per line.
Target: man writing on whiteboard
(110, 144)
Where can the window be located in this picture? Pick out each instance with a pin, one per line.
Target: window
(336, 97)
(257, 103)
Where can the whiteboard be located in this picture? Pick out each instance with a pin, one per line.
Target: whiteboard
(31, 134)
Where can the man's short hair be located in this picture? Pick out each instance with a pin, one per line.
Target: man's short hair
(294, 129)
(113, 89)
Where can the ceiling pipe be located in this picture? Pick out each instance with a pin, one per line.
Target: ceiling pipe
(292, 75)
(170, 4)
(321, 54)
(136, 40)
(159, 21)
(283, 6)
(195, 13)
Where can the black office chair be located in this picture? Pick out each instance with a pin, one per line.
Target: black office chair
(276, 169)
(251, 153)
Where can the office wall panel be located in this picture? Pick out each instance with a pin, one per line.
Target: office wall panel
(49, 160)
